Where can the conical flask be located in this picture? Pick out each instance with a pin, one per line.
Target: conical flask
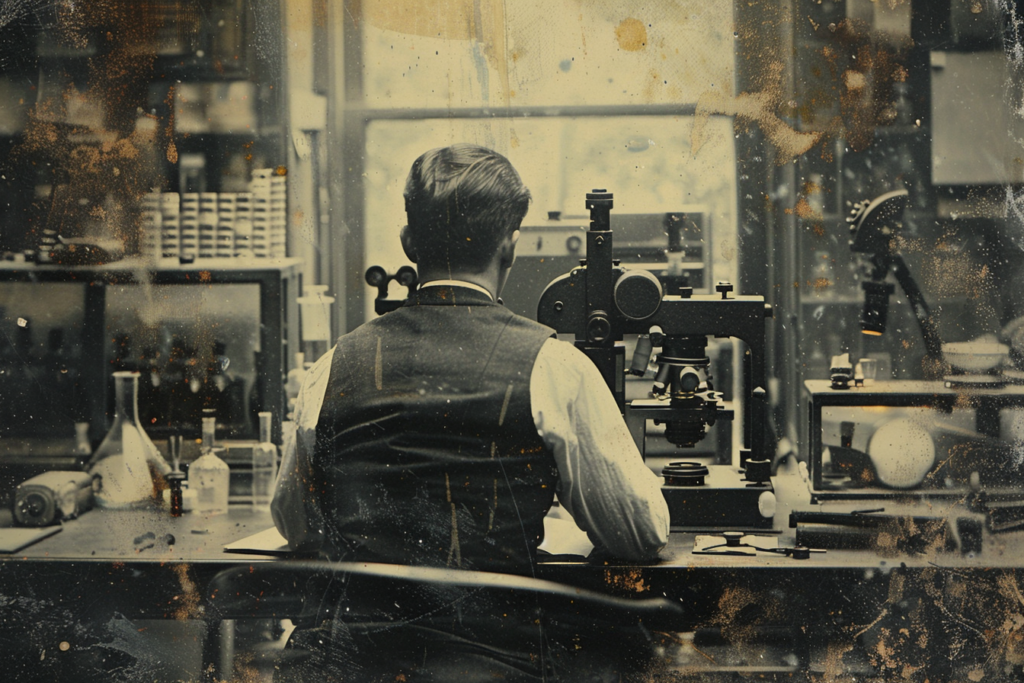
(127, 458)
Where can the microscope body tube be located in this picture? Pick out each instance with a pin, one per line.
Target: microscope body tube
(599, 339)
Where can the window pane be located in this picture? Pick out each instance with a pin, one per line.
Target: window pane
(646, 161)
(543, 52)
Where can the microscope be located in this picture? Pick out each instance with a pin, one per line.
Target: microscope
(600, 301)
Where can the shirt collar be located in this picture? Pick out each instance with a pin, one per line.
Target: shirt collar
(456, 283)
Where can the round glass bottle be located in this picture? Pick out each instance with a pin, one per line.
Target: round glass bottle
(209, 476)
(126, 459)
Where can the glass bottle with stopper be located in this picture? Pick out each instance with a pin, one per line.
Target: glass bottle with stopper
(209, 476)
(264, 465)
(126, 461)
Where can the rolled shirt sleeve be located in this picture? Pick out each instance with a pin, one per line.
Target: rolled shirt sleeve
(294, 508)
(603, 481)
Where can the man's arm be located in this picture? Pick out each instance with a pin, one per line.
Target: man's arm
(603, 481)
(295, 513)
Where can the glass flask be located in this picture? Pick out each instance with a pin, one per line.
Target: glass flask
(127, 458)
(264, 465)
(209, 476)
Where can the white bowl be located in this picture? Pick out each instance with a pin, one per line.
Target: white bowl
(975, 356)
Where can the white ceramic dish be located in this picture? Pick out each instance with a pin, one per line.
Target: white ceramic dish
(975, 356)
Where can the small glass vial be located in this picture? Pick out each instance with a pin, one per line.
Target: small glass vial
(209, 476)
(82, 446)
(264, 465)
(174, 480)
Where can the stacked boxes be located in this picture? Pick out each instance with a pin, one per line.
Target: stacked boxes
(218, 224)
(269, 213)
(190, 225)
(225, 245)
(243, 224)
(208, 221)
(152, 222)
(170, 225)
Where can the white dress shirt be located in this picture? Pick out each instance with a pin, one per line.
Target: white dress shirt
(603, 481)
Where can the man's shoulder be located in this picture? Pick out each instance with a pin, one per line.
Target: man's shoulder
(527, 324)
(564, 357)
(368, 329)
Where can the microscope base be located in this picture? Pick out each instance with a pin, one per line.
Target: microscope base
(725, 500)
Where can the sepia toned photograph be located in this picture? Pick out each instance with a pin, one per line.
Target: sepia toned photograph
(541, 341)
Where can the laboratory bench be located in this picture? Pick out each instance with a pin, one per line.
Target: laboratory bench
(830, 613)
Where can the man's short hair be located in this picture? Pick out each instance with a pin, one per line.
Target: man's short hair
(461, 201)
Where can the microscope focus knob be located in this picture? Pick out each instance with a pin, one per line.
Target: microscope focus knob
(638, 294)
(599, 327)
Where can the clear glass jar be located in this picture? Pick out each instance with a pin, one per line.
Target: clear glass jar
(209, 476)
(127, 460)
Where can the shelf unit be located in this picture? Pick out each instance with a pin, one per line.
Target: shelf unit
(279, 282)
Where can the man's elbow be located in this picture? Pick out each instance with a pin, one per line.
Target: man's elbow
(644, 547)
(655, 539)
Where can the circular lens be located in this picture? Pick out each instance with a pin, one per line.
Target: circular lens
(638, 294)
(684, 474)
(406, 276)
(376, 276)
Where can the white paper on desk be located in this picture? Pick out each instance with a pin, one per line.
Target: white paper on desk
(563, 537)
(14, 539)
(267, 542)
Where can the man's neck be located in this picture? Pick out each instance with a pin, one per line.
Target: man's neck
(486, 280)
(457, 283)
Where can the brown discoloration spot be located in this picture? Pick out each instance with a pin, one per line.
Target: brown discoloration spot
(188, 601)
(629, 580)
(91, 135)
(834, 660)
(631, 35)
(821, 283)
(762, 107)
(804, 210)
(973, 618)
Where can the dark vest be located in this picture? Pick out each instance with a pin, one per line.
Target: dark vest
(426, 445)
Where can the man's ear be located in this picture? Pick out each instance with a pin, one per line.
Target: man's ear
(508, 250)
(407, 246)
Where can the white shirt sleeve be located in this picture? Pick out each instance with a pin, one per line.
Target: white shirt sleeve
(294, 511)
(603, 481)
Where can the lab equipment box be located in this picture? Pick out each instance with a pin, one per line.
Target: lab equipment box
(905, 439)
